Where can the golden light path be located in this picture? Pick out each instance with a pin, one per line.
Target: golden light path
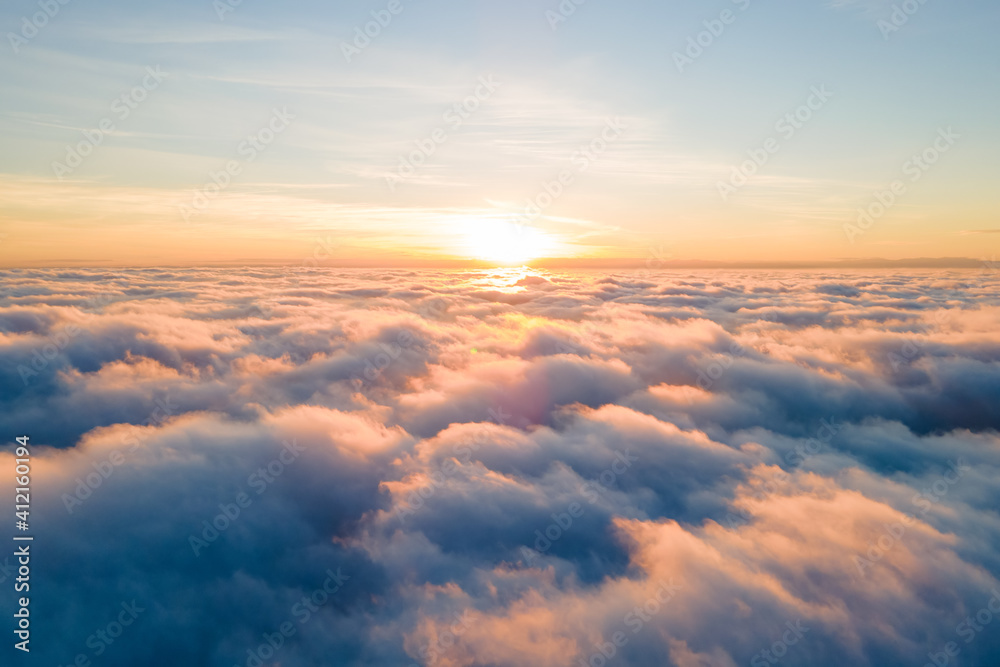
(504, 279)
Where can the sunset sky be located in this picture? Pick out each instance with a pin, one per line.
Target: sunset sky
(333, 124)
(507, 333)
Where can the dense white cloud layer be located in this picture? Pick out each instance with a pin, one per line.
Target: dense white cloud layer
(509, 468)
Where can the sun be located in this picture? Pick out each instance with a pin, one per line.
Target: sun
(506, 243)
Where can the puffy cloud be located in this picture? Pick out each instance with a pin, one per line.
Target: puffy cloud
(508, 468)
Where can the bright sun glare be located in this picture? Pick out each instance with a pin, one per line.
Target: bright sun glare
(506, 243)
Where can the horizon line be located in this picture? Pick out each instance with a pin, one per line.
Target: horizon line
(546, 263)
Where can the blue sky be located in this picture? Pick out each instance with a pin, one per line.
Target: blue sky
(655, 186)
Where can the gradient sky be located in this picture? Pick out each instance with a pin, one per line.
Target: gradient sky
(319, 190)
